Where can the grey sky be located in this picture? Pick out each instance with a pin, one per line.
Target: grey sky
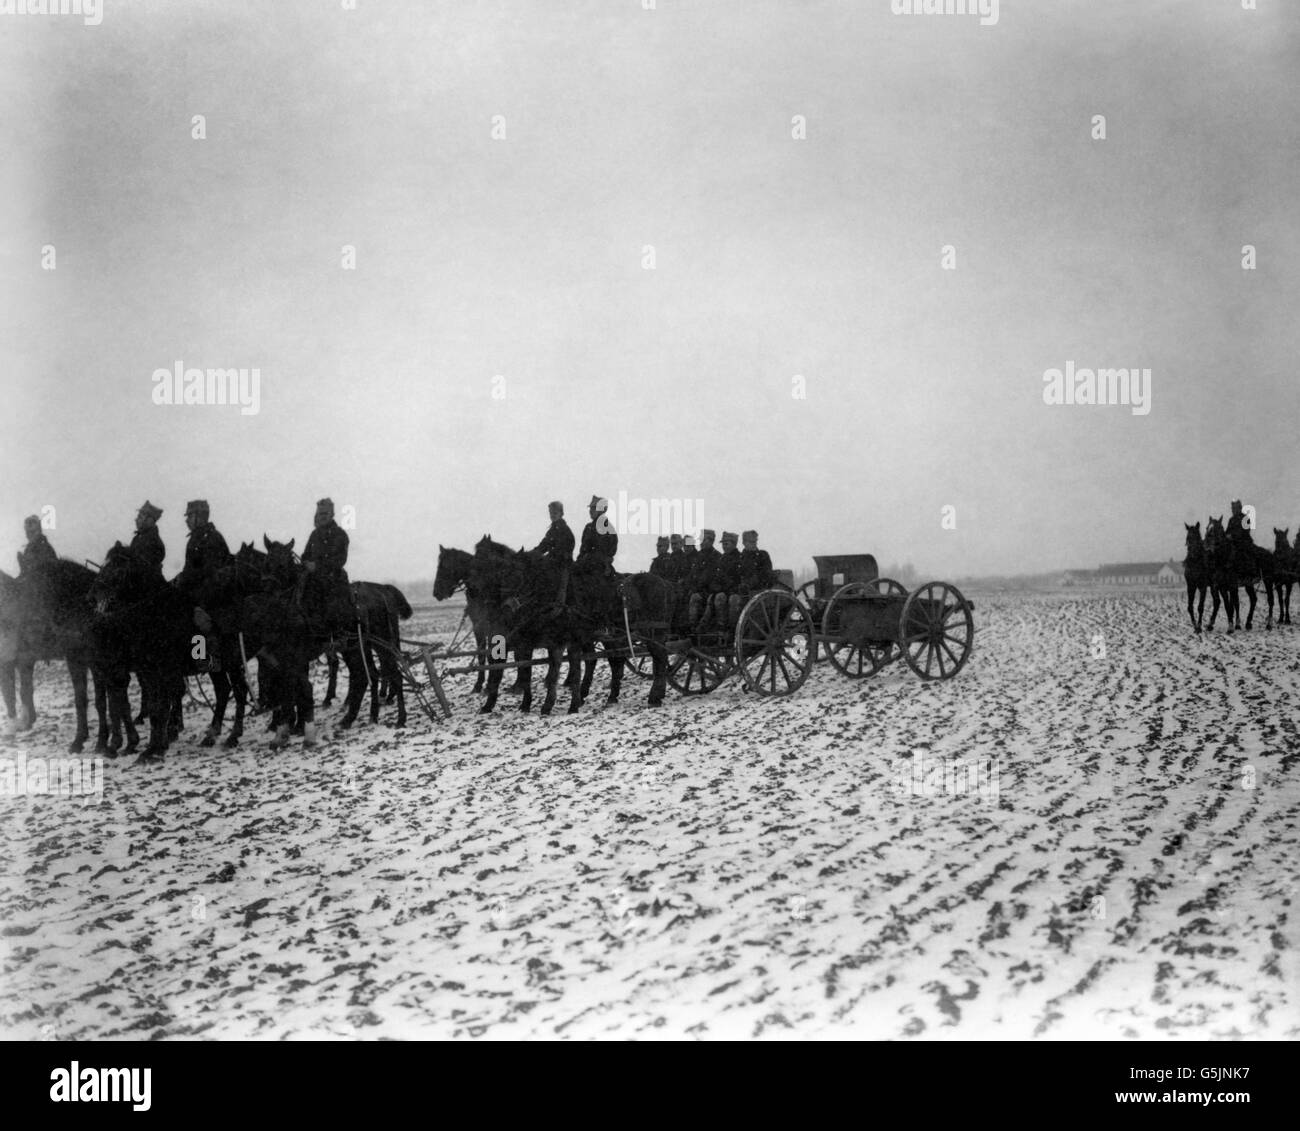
(774, 257)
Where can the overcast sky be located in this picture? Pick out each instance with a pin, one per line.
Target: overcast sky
(774, 257)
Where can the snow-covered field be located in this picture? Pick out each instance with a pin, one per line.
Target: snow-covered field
(1113, 853)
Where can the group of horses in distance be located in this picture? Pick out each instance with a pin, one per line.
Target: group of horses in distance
(120, 619)
(1216, 565)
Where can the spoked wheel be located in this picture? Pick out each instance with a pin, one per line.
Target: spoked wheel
(641, 665)
(807, 594)
(938, 631)
(775, 644)
(856, 629)
(697, 673)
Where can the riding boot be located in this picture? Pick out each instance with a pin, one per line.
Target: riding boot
(720, 611)
(695, 611)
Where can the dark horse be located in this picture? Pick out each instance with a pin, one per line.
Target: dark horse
(519, 591)
(1286, 560)
(1196, 572)
(1235, 566)
(46, 615)
(143, 625)
(290, 641)
(453, 574)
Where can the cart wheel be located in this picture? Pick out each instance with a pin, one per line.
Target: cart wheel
(641, 665)
(775, 644)
(851, 627)
(937, 631)
(695, 673)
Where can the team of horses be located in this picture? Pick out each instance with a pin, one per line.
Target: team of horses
(122, 619)
(1217, 565)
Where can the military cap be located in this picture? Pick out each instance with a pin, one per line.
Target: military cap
(150, 511)
(689, 540)
(197, 506)
(556, 506)
(31, 520)
(676, 539)
(707, 535)
(662, 540)
(728, 536)
(749, 536)
(325, 505)
(599, 503)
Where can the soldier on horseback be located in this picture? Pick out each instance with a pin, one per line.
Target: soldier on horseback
(557, 546)
(205, 553)
(147, 546)
(1241, 541)
(324, 588)
(599, 541)
(38, 551)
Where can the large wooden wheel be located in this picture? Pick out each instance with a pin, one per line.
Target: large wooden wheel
(697, 673)
(776, 646)
(851, 628)
(937, 630)
(641, 665)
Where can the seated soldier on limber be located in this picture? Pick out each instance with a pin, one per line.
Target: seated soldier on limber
(700, 585)
(662, 565)
(675, 558)
(756, 572)
(726, 580)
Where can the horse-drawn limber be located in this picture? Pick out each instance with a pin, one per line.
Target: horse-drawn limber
(860, 621)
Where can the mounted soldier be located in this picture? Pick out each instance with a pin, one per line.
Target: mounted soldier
(205, 553)
(599, 541)
(704, 562)
(1241, 541)
(557, 546)
(38, 551)
(663, 564)
(147, 546)
(324, 587)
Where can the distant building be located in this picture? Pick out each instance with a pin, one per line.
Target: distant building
(1078, 577)
(1140, 573)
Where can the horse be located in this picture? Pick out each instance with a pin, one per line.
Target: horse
(519, 611)
(143, 625)
(452, 575)
(1196, 573)
(649, 603)
(1287, 559)
(1231, 567)
(45, 615)
(374, 613)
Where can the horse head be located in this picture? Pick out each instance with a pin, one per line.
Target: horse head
(453, 571)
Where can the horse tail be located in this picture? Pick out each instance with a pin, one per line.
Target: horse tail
(399, 599)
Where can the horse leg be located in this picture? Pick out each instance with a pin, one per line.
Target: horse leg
(27, 707)
(659, 666)
(553, 662)
(332, 663)
(480, 646)
(616, 665)
(1250, 612)
(356, 685)
(101, 709)
(306, 707)
(526, 676)
(588, 665)
(1191, 598)
(372, 674)
(239, 685)
(78, 673)
(493, 688)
